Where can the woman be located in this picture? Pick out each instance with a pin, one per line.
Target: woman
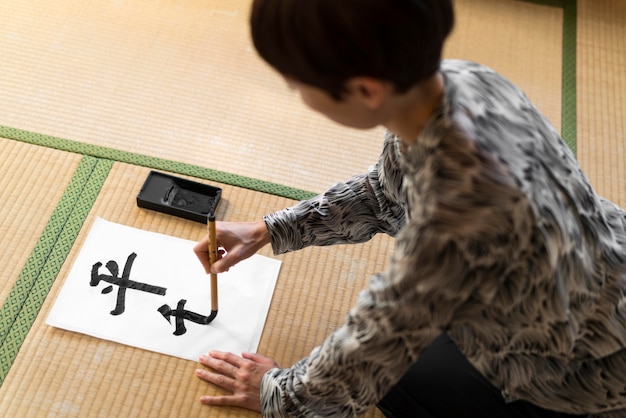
(505, 294)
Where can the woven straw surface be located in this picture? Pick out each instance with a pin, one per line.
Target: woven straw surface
(29, 195)
(179, 81)
(602, 95)
(64, 374)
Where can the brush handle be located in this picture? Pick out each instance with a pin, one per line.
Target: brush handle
(212, 259)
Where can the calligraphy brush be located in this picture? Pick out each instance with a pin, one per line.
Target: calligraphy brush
(212, 259)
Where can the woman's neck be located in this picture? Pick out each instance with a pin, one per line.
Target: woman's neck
(413, 109)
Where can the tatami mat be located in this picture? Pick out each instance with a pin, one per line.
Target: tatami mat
(31, 184)
(172, 79)
(85, 376)
(175, 84)
(602, 95)
(520, 40)
(180, 80)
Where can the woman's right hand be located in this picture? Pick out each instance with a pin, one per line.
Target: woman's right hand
(236, 241)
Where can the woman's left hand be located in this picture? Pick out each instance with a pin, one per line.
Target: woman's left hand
(239, 375)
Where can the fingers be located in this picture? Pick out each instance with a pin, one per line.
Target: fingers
(240, 240)
(238, 397)
(258, 358)
(217, 379)
(225, 363)
(226, 400)
(201, 249)
(224, 262)
(235, 374)
(223, 377)
(245, 369)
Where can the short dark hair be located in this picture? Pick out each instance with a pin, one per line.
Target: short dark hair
(323, 43)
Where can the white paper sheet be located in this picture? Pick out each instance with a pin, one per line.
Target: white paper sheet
(170, 266)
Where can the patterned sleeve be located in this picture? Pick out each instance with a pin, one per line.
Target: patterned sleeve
(349, 212)
(383, 334)
(425, 290)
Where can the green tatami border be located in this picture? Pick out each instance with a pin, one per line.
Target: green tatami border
(19, 310)
(155, 163)
(569, 94)
(568, 68)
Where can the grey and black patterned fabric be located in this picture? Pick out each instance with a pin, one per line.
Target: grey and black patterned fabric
(501, 242)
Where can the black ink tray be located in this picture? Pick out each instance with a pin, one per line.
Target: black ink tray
(179, 197)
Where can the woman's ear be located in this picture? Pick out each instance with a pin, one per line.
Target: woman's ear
(370, 91)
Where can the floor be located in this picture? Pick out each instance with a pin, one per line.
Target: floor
(96, 93)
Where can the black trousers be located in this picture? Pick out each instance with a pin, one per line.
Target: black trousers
(443, 384)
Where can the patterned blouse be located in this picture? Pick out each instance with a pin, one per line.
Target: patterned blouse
(501, 242)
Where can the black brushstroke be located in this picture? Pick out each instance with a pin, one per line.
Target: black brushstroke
(181, 315)
(123, 282)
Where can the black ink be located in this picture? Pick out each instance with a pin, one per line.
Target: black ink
(123, 282)
(181, 314)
